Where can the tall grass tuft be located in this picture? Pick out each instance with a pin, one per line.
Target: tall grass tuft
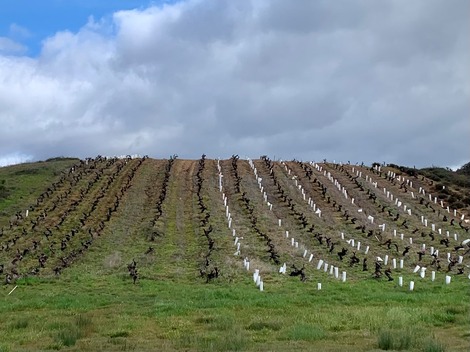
(235, 340)
(385, 340)
(82, 322)
(223, 323)
(21, 323)
(395, 340)
(306, 332)
(404, 340)
(268, 325)
(70, 333)
(432, 345)
(120, 333)
(68, 336)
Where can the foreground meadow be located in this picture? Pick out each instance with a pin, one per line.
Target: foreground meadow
(84, 311)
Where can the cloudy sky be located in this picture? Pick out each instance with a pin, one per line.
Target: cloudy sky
(362, 80)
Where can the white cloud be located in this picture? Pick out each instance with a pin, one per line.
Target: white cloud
(311, 80)
(10, 47)
(13, 159)
(17, 31)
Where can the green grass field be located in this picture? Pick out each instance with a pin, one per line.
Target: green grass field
(83, 311)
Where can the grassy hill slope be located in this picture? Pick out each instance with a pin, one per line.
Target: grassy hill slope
(145, 254)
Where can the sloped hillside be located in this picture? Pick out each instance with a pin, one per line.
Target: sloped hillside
(260, 223)
(323, 207)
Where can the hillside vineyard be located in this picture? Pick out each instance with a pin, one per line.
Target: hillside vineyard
(207, 220)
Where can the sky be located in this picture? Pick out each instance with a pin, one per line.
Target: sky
(346, 80)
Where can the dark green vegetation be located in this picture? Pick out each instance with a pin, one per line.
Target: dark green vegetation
(71, 259)
(453, 187)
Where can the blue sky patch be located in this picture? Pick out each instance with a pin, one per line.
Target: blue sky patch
(24, 24)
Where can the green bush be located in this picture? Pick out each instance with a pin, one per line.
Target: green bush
(68, 336)
(385, 340)
(395, 340)
(4, 191)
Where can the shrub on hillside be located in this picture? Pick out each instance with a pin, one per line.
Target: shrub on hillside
(465, 169)
(4, 192)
